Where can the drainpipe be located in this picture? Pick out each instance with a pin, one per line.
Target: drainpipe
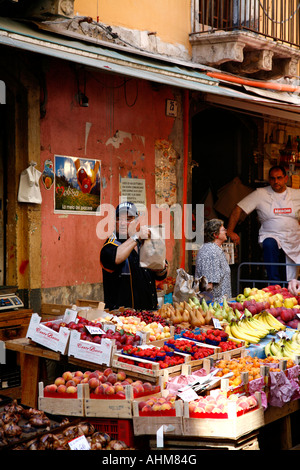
(254, 83)
(186, 112)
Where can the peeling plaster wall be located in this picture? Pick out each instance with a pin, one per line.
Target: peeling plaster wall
(120, 127)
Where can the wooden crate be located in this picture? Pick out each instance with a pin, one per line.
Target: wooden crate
(179, 443)
(232, 428)
(112, 407)
(149, 425)
(109, 407)
(52, 311)
(14, 324)
(62, 406)
(90, 303)
(154, 373)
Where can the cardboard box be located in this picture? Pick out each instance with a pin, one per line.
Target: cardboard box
(89, 351)
(47, 337)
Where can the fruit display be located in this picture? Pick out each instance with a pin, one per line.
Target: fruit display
(190, 347)
(215, 337)
(168, 283)
(191, 314)
(253, 329)
(168, 361)
(272, 294)
(284, 348)
(106, 384)
(153, 406)
(211, 406)
(246, 364)
(120, 336)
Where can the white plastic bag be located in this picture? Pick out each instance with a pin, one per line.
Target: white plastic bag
(153, 250)
(29, 187)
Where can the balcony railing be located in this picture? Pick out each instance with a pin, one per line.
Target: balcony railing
(278, 20)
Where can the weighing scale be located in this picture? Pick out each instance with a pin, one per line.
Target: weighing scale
(10, 300)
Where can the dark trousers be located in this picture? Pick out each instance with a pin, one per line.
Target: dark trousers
(273, 254)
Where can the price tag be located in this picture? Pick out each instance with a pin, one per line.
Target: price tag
(80, 443)
(188, 395)
(95, 330)
(117, 320)
(217, 323)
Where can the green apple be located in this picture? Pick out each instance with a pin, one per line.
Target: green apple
(240, 298)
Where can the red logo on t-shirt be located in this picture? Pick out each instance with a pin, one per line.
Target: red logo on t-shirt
(282, 210)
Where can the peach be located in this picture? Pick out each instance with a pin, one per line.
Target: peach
(78, 373)
(51, 388)
(118, 387)
(121, 375)
(94, 382)
(146, 409)
(103, 378)
(86, 373)
(77, 380)
(61, 389)
(71, 389)
(142, 404)
(94, 375)
(209, 407)
(70, 383)
(107, 372)
(110, 390)
(67, 375)
(166, 406)
(85, 380)
(147, 387)
(59, 381)
(156, 407)
(112, 378)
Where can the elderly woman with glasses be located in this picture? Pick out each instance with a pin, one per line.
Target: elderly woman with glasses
(211, 261)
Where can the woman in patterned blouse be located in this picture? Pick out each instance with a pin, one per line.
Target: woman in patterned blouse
(211, 261)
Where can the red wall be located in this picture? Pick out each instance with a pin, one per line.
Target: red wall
(70, 247)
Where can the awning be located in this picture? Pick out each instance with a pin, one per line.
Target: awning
(26, 36)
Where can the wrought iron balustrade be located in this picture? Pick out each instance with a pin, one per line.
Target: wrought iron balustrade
(278, 20)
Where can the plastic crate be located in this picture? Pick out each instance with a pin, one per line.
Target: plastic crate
(119, 429)
(9, 377)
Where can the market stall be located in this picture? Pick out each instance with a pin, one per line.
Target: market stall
(191, 375)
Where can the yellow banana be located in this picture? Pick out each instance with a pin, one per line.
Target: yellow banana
(268, 349)
(250, 329)
(272, 321)
(240, 334)
(276, 349)
(259, 325)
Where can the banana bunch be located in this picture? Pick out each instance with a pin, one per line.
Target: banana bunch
(296, 337)
(283, 349)
(269, 320)
(249, 330)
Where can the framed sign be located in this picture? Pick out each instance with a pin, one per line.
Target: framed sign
(77, 185)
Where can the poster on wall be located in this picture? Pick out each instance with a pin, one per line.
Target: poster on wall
(134, 190)
(165, 173)
(77, 185)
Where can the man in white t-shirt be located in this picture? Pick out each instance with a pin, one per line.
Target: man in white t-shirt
(278, 210)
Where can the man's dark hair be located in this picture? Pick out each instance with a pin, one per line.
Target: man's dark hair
(278, 167)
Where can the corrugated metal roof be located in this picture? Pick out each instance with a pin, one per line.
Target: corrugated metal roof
(28, 36)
